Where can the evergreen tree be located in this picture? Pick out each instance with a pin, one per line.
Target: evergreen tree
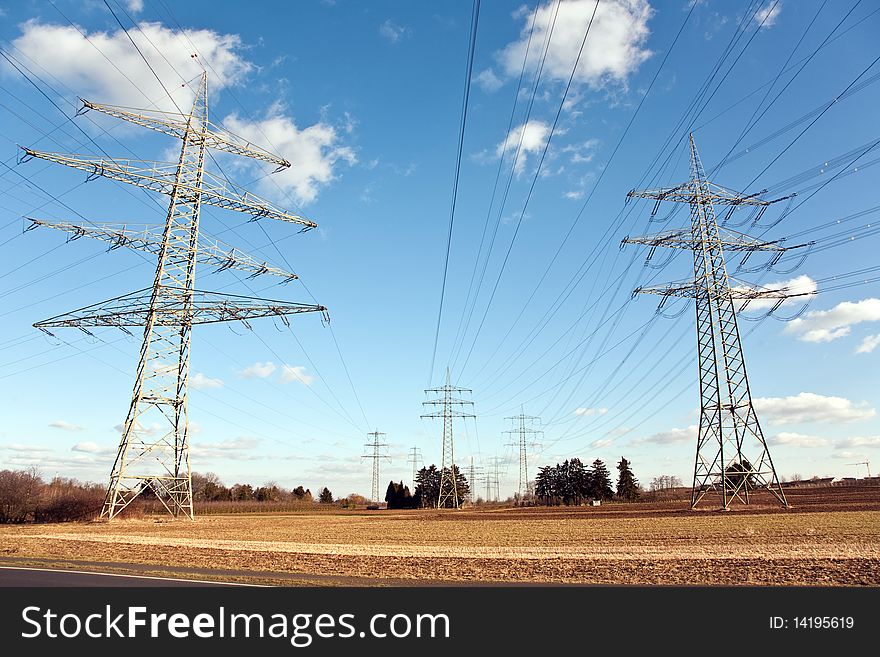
(627, 484)
(601, 481)
(461, 484)
(428, 486)
(325, 497)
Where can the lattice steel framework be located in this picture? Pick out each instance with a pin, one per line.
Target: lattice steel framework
(524, 430)
(153, 451)
(474, 473)
(728, 422)
(376, 456)
(414, 458)
(448, 402)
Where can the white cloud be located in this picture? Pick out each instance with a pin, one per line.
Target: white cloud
(810, 407)
(392, 31)
(258, 370)
(142, 430)
(70, 57)
(797, 440)
(858, 441)
(768, 14)
(296, 373)
(135, 6)
(574, 195)
(674, 435)
(828, 325)
(93, 448)
(534, 136)
(201, 382)
(65, 426)
(613, 50)
(868, 344)
(846, 455)
(313, 151)
(18, 447)
(582, 152)
(488, 81)
(234, 448)
(600, 443)
(803, 285)
(590, 412)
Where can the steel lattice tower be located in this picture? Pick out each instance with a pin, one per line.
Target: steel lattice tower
(376, 456)
(493, 478)
(448, 401)
(474, 472)
(153, 451)
(414, 458)
(728, 421)
(523, 429)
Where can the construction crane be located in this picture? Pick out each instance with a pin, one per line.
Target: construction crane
(867, 465)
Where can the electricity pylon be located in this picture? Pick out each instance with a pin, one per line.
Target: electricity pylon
(448, 401)
(493, 478)
(727, 415)
(153, 451)
(523, 429)
(376, 456)
(415, 459)
(474, 472)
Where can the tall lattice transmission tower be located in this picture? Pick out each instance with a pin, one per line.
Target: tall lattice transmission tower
(414, 458)
(493, 478)
(524, 430)
(376, 456)
(448, 401)
(728, 426)
(153, 451)
(474, 472)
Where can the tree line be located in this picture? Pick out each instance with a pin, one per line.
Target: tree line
(26, 497)
(427, 491)
(573, 483)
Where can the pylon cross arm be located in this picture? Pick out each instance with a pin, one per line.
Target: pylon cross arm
(693, 192)
(177, 125)
(175, 310)
(162, 177)
(730, 240)
(149, 239)
(693, 290)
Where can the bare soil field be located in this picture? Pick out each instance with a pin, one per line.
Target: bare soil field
(831, 536)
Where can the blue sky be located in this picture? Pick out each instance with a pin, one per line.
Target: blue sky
(364, 99)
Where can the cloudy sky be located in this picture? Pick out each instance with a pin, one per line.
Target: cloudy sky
(365, 100)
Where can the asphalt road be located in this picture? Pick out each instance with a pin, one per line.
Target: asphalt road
(46, 577)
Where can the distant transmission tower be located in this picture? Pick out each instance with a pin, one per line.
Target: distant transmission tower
(728, 423)
(493, 478)
(415, 459)
(474, 473)
(524, 430)
(376, 456)
(154, 448)
(448, 401)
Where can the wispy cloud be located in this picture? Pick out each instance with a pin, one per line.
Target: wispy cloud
(590, 412)
(201, 382)
(258, 370)
(810, 407)
(828, 325)
(393, 32)
(766, 16)
(65, 426)
(296, 373)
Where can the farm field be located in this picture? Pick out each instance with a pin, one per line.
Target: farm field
(831, 536)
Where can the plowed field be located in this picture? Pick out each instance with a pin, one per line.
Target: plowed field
(831, 536)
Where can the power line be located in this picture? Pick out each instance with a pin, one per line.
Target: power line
(475, 17)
